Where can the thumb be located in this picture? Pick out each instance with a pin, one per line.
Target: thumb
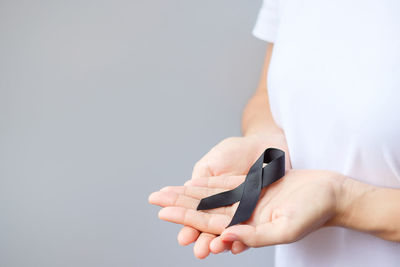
(255, 236)
(243, 232)
(201, 169)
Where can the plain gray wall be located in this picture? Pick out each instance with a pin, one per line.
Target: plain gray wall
(104, 102)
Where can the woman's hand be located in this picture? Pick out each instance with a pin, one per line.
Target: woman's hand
(235, 155)
(232, 156)
(294, 206)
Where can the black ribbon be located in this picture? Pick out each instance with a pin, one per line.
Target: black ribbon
(249, 191)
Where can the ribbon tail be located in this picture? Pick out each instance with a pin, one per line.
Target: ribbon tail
(249, 199)
(222, 199)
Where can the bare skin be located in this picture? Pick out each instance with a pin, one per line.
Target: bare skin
(289, 209)
(301, 202)
(247, 150)
(294, 206)
(259, 132)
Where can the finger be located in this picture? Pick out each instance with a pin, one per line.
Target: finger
(193, 191)
(238, 247)
(187, 235)
(201, 169)
(228, 182)
(204, 222)
(168, 199)
(165, 199)
(218, 246)
(257, 236)
(201, 247)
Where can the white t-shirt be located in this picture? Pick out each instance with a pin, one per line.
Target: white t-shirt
(334, 88)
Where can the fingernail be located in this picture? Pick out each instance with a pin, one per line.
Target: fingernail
(229, 238)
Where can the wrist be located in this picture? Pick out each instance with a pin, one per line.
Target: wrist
(263, 130)
(275, 137)
(350, 195)
(266, 135)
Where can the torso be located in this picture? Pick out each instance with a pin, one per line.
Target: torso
(334, 88)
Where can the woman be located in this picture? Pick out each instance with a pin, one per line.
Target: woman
(329, 95)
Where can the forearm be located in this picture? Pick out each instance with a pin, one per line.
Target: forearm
(257, 117)
(371, 209)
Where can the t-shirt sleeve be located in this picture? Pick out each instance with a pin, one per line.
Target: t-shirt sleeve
(266, 25)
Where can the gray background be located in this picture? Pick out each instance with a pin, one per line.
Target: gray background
(103, 102)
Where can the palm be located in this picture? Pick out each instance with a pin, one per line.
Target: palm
(235, 155)
(283, 201)
(301, 202)
(297, 204)
(232, 156)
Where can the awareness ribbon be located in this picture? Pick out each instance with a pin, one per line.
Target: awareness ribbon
(248, 192)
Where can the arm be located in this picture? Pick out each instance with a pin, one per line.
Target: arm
(301, 202)
(362, 207)
(371, 209)
(259, 131)
(257, 118)
(289, 209)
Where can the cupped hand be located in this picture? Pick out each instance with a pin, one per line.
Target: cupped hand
(232, 156)
(235, 155)
(294, 206)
